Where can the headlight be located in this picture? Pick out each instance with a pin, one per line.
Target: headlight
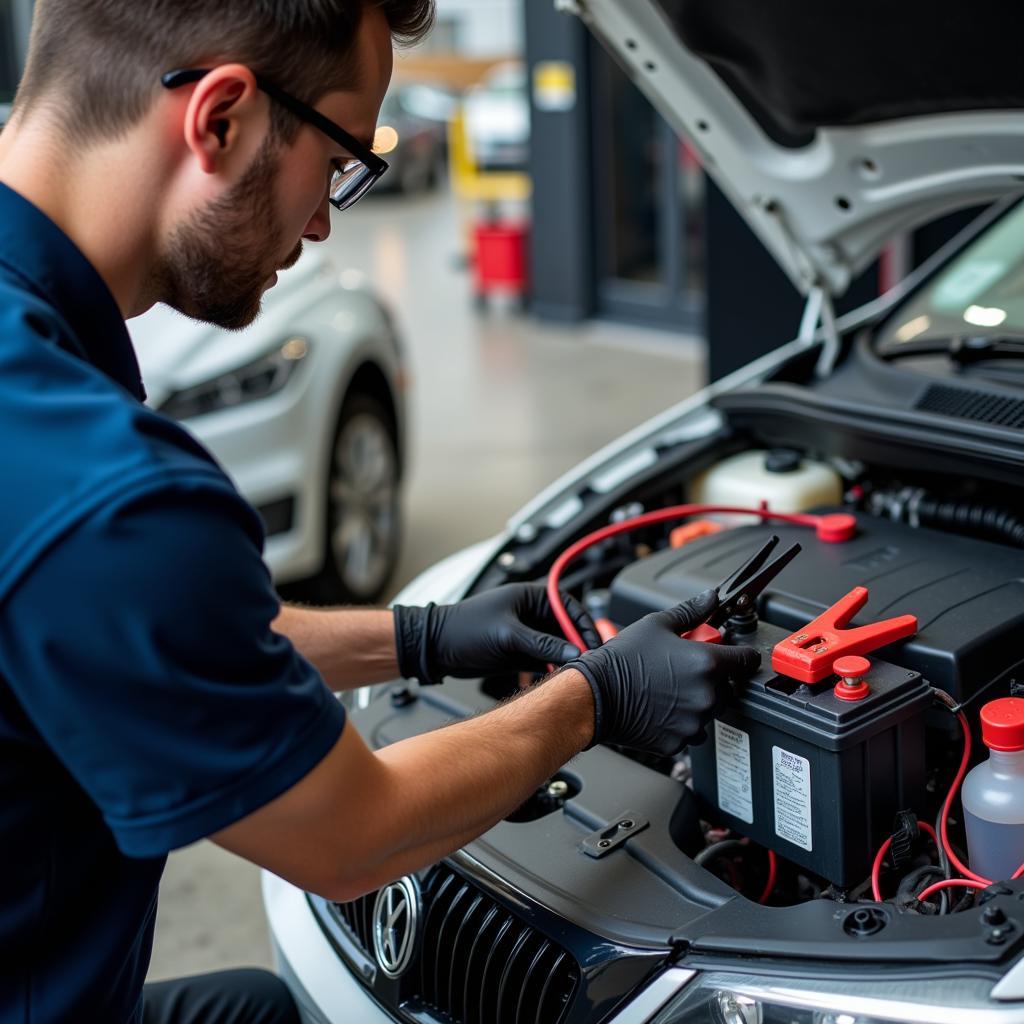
(259, 379)
(715, 998)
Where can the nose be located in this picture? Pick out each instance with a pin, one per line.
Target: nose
(319, 227)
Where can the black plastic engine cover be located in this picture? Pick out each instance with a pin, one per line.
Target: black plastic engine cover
(968, 595)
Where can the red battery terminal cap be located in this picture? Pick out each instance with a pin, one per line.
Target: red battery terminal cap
(1002, 724)
(836, 527)
(851, 671)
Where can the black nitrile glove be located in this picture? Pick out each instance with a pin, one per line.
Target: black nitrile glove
(507, 628)
(654, 691)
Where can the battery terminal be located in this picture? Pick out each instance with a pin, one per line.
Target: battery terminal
(851, 671)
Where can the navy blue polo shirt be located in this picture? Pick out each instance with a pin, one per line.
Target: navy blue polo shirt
(145, 701)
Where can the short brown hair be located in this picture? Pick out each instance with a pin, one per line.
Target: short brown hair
(99, 61)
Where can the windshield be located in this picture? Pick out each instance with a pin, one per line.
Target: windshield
(980, 294)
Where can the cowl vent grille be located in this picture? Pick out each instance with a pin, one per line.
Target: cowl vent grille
(980, 406)
(478, 963)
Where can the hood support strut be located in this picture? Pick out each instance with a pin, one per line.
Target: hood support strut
(819, 315)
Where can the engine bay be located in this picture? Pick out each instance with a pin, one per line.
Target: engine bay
(833, 771)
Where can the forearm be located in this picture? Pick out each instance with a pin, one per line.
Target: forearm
(447, 787)
(360, 818)
(350, 647)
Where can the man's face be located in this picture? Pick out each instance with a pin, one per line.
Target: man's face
(217, 264)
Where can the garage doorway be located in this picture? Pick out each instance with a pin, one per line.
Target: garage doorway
(648, 190)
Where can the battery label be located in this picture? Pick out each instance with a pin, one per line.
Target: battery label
(732, 753)
(791, 779)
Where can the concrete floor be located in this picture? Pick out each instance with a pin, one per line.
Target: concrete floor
(501, 405)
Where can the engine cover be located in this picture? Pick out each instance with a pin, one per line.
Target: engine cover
(968, 595)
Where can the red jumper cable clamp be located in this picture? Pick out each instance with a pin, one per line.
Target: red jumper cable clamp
(808, 654)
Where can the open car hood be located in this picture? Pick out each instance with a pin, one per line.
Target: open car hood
(832, 127)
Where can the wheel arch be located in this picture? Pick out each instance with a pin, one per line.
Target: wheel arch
(369, 379)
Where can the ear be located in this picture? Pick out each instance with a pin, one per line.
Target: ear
(222, 102)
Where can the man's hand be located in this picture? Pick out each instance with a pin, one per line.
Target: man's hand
(653, 690)
(508, 628)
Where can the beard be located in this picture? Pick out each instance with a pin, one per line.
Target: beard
(214, 268)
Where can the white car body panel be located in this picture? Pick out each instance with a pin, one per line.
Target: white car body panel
(324, 990)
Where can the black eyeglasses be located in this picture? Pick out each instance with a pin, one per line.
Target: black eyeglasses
(352, 178)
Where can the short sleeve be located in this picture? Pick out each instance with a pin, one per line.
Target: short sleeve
(141, 648)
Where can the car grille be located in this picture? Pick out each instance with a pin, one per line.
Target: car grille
(980, 406)
(358, 915)
(478, 963)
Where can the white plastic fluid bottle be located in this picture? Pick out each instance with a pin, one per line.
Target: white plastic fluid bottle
(993, 793)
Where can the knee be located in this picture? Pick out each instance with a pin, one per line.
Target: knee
(270, 995)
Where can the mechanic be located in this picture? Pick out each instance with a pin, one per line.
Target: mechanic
(152, 689)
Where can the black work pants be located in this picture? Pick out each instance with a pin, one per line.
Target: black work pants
(226, 997)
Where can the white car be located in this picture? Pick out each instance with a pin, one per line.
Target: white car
(497, 112)
(305, 412)
(784, 870)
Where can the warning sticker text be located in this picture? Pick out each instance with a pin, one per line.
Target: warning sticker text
(732, 754)
(791, 780)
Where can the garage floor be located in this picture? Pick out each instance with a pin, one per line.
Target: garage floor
(501, 406)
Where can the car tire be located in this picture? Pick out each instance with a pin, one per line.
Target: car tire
(363, 520)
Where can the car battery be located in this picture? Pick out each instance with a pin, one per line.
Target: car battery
(813, 776)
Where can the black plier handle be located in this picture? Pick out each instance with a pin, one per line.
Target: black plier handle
(739, 591)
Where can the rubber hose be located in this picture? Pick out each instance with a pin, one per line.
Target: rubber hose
(972, 517)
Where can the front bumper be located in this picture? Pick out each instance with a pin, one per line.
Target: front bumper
(327, 993)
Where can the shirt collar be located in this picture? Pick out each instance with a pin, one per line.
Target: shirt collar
(45, 260)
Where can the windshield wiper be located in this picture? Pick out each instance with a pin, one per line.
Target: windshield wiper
(960, 350)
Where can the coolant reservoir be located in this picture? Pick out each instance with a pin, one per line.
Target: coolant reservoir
(993, 793)
(788, 482)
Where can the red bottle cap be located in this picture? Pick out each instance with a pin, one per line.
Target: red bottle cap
(836, 527)
(1002, 724)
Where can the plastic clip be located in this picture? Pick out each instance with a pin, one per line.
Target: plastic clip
(611, 837)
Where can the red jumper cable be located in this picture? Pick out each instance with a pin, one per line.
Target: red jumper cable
(832, 528)
(876, 868)
(773, 870)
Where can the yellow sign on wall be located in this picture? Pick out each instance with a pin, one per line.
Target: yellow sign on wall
(554, 85)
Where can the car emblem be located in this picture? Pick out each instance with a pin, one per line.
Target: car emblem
(396, 920)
